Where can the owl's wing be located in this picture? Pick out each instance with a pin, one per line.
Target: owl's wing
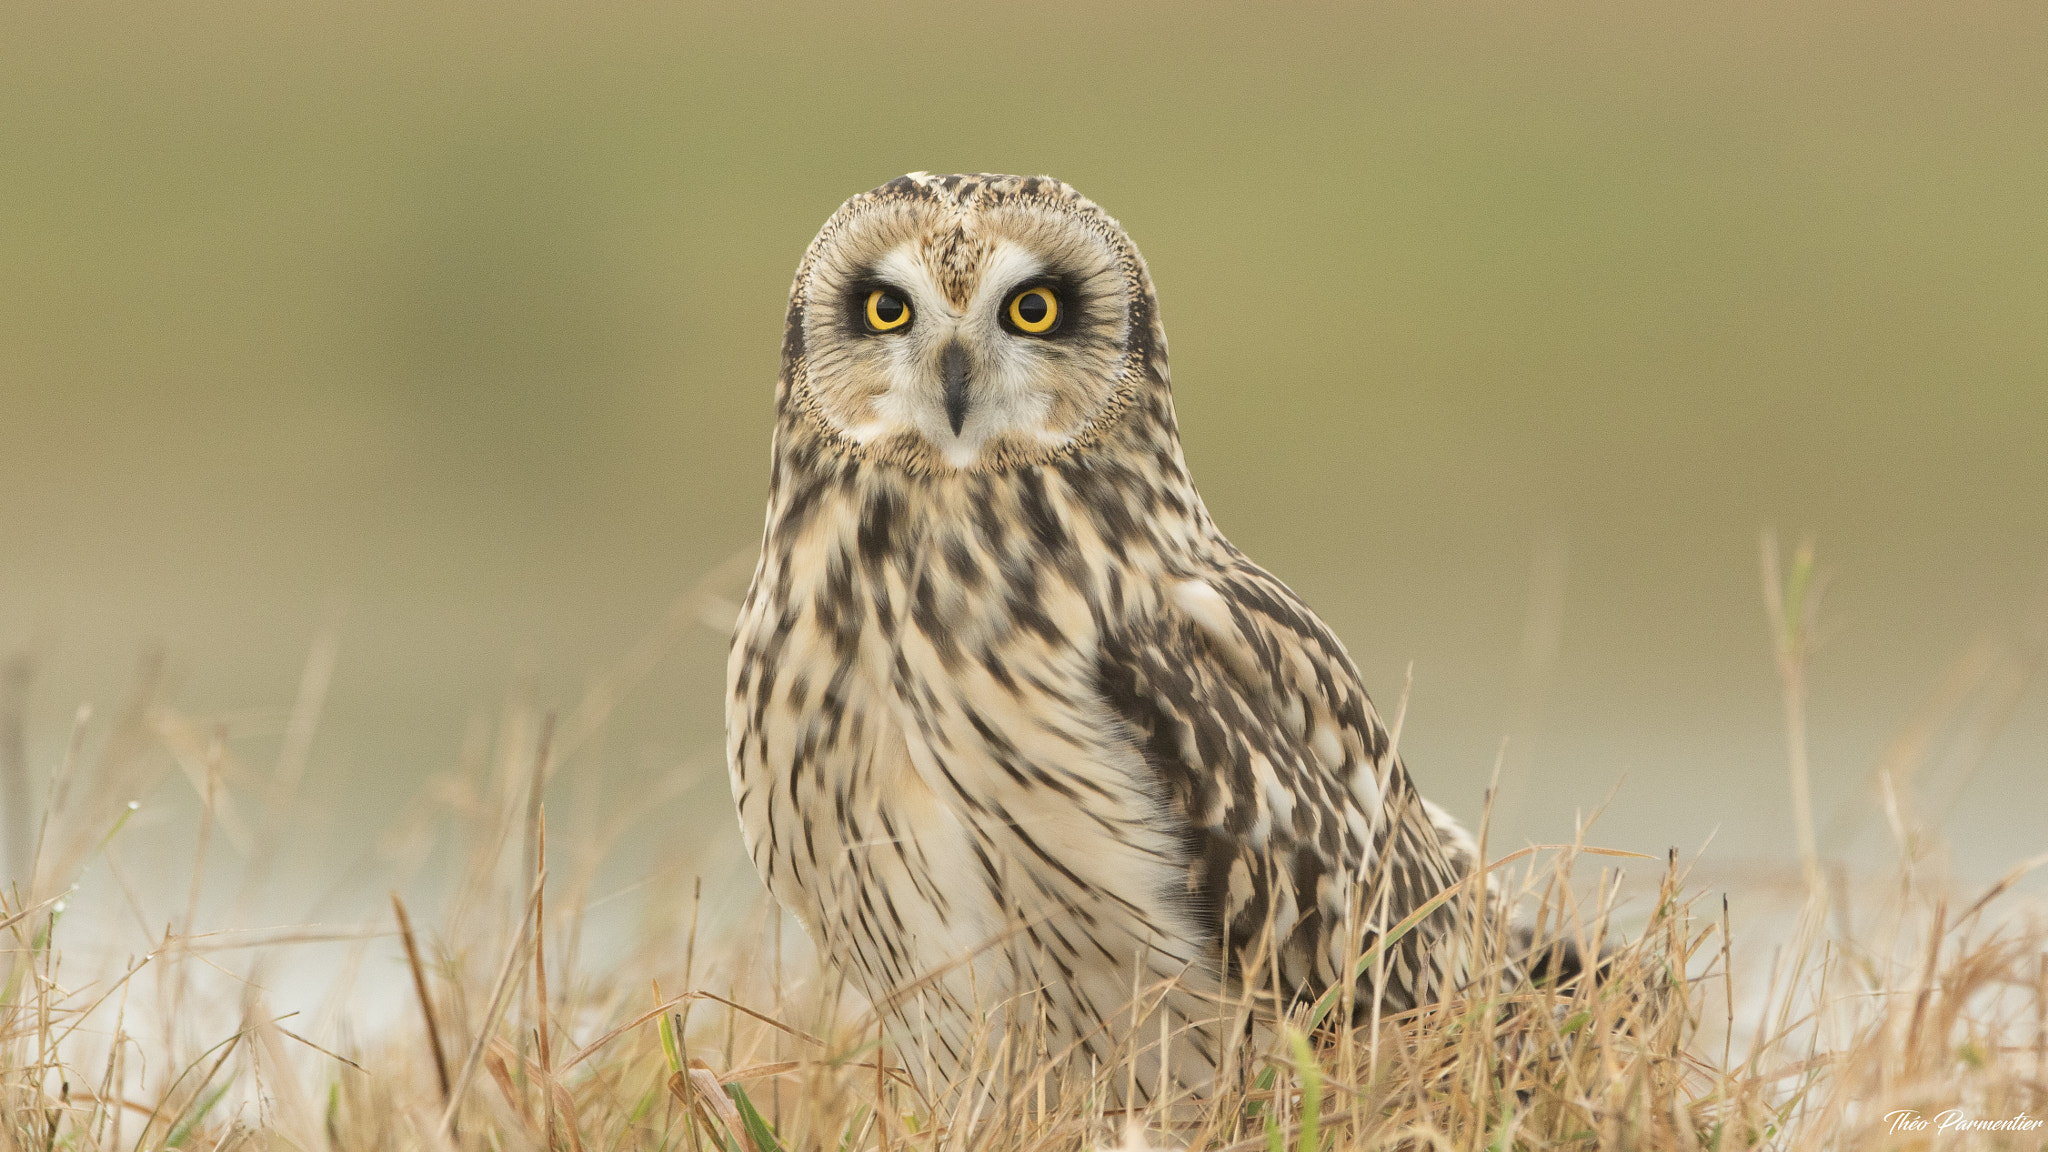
(1301, 827)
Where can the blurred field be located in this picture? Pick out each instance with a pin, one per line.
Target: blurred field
(437, 340)
(465, 317)
(1890, 1011)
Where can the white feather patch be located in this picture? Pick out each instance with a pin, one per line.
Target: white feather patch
(1203, 605)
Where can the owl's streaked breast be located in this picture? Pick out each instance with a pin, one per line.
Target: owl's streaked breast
(923, 771)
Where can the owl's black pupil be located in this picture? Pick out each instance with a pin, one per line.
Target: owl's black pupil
(888, 309)
(1032, 307)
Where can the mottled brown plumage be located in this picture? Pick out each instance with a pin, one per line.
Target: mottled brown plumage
(1012, 727)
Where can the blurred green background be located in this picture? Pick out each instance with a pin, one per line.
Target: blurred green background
(1499, 330)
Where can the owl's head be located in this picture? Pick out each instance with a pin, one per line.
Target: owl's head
(969, 322)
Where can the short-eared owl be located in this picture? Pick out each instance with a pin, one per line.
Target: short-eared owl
(1013, 729)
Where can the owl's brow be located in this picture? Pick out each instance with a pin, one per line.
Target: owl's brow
(899, 269)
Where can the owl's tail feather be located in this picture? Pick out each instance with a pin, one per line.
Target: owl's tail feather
(1560, 962)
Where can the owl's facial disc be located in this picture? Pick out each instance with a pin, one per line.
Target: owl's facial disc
(967, 340)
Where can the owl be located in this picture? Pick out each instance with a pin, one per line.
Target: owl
(1013, 729)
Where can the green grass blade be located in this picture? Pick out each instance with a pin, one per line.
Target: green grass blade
(1264, 1083)
(1501, 1142)
(185, 1126)
(757, 1129)
(668, 1045)
(1311, 1139)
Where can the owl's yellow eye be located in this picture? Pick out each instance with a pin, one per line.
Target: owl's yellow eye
(886, 311)
(1035, 310)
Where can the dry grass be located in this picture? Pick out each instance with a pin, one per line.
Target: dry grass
(1888, 993)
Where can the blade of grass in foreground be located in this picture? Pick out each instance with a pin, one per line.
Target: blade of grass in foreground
(757, 1128)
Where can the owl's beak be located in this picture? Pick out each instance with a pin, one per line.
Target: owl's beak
(953, 365)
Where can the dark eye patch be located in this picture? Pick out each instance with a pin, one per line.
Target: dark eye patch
(1070, 300)
(853, 308)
